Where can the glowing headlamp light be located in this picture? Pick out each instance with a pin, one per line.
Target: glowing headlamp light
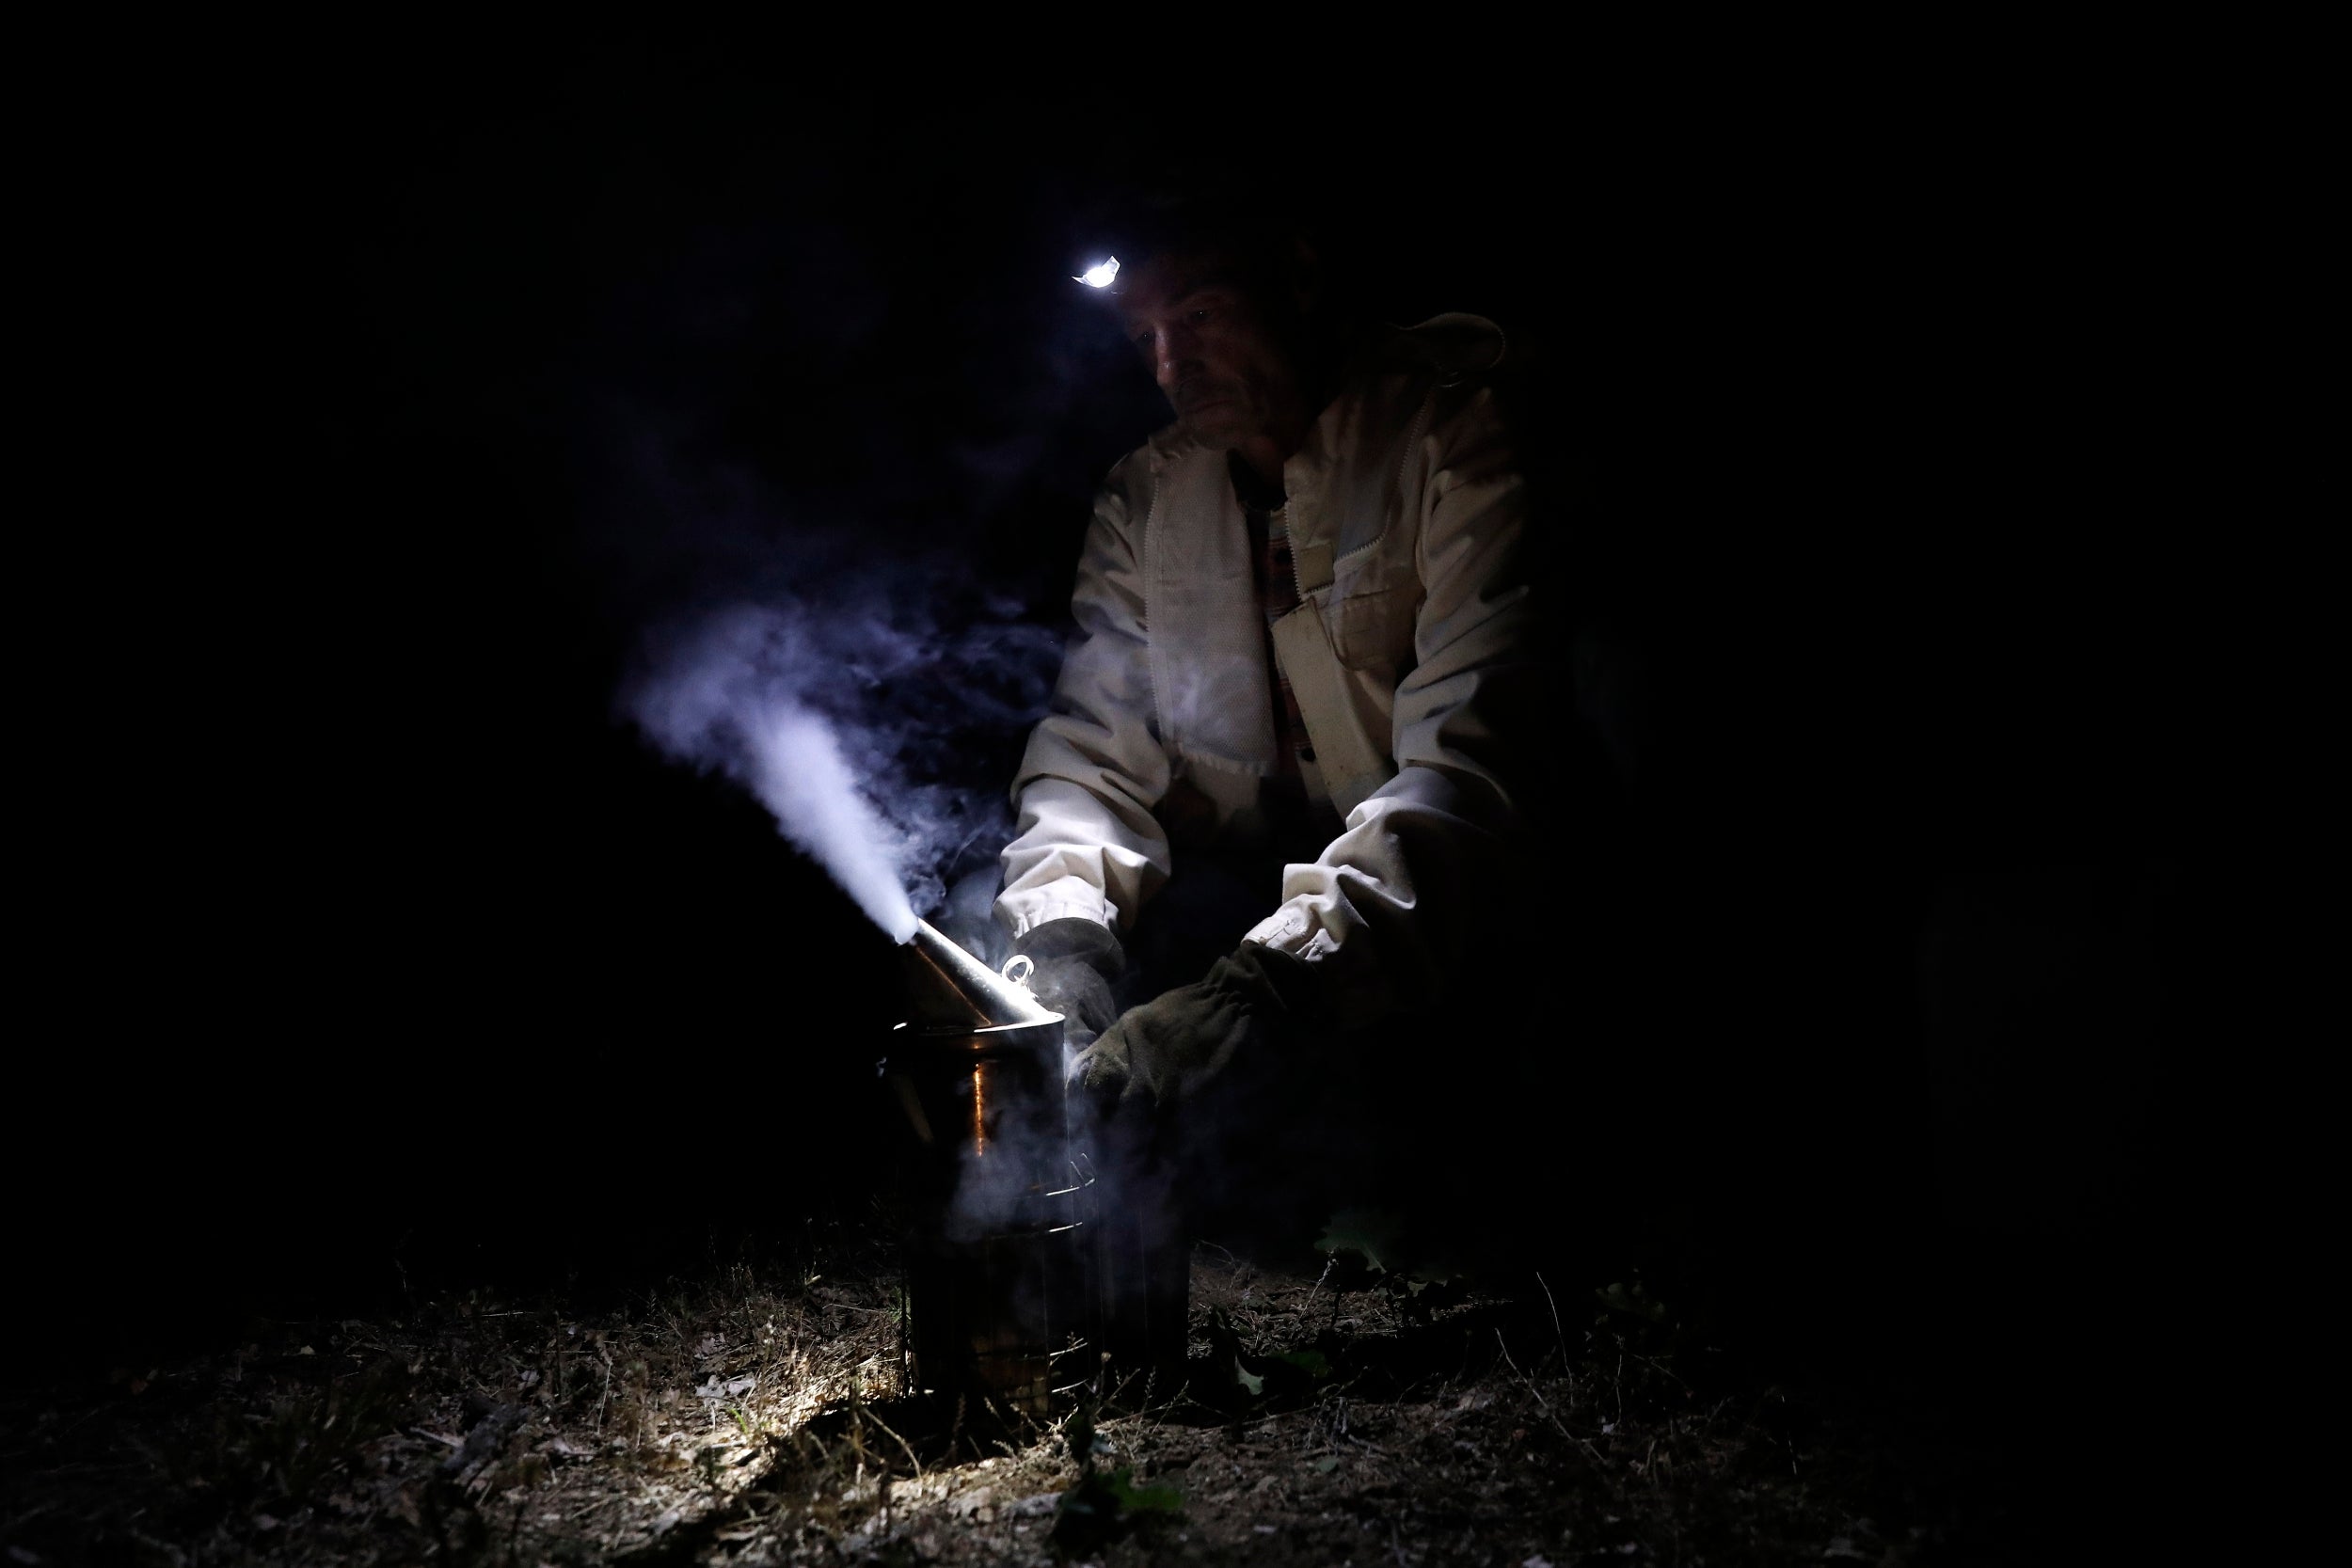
(1100, 275)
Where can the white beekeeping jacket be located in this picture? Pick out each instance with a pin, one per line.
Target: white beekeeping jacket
(1406, 514)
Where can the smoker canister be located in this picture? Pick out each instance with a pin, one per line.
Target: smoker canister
(999, 1279)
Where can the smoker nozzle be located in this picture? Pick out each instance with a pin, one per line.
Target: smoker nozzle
(947, 987)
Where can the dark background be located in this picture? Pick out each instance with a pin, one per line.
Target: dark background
(1879, 485)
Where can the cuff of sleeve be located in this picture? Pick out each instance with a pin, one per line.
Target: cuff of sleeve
(1023, 912)
(1289, 930)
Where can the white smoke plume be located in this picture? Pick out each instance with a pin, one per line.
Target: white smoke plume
(827, 715)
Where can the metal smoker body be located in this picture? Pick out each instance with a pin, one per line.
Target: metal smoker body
(999, 1277)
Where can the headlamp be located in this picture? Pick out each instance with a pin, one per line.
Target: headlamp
(1100, 275)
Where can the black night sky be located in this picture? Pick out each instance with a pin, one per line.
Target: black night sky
(403, 965)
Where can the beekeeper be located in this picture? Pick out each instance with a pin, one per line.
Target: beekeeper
(1286, 726)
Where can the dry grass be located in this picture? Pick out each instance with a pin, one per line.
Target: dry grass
(746, 1419)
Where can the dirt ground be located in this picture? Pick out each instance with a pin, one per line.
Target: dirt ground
(743, 1420)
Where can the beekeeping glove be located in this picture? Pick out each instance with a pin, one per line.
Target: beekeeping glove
(1078, 965)
(1167, 1049)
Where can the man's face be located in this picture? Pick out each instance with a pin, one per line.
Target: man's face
(1227, 364)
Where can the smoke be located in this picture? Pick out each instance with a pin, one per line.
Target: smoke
(848, 521)
(848, 720)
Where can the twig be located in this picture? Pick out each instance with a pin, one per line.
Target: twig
(1522, 1376)
(1327, 1267)
(1556, 1329)
(1252, 1426)
(1655, 1365)
(1558, 1425)
(1175, 1403)
(1405, 1395)
(33, 1512)
(867, 1411)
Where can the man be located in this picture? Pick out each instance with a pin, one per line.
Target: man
(1301, 621)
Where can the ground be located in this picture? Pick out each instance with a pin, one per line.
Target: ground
(1331, 1416)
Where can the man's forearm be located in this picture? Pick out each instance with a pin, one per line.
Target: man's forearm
(1387, 908)
(1077, 856)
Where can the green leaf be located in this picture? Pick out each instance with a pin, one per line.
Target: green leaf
(1368, 1232)
(1225, 1345)
(1144, 1499)
(1313, 1362)
(1100, 1507)
(1637, 1301)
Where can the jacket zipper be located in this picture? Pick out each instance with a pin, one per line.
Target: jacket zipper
(1299, 586)
(1412, 440)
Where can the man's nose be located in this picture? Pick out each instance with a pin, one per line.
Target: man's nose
(1174, 355)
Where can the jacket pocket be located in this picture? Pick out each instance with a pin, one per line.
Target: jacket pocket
(1371, 628)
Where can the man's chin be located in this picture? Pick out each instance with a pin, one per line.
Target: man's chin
(1222, 420)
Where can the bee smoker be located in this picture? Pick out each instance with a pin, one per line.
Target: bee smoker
(1000, 1283)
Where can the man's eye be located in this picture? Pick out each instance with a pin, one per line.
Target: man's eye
(1200, 313)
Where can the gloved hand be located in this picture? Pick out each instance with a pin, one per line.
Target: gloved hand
(1078, 964)
(1167, 1049)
